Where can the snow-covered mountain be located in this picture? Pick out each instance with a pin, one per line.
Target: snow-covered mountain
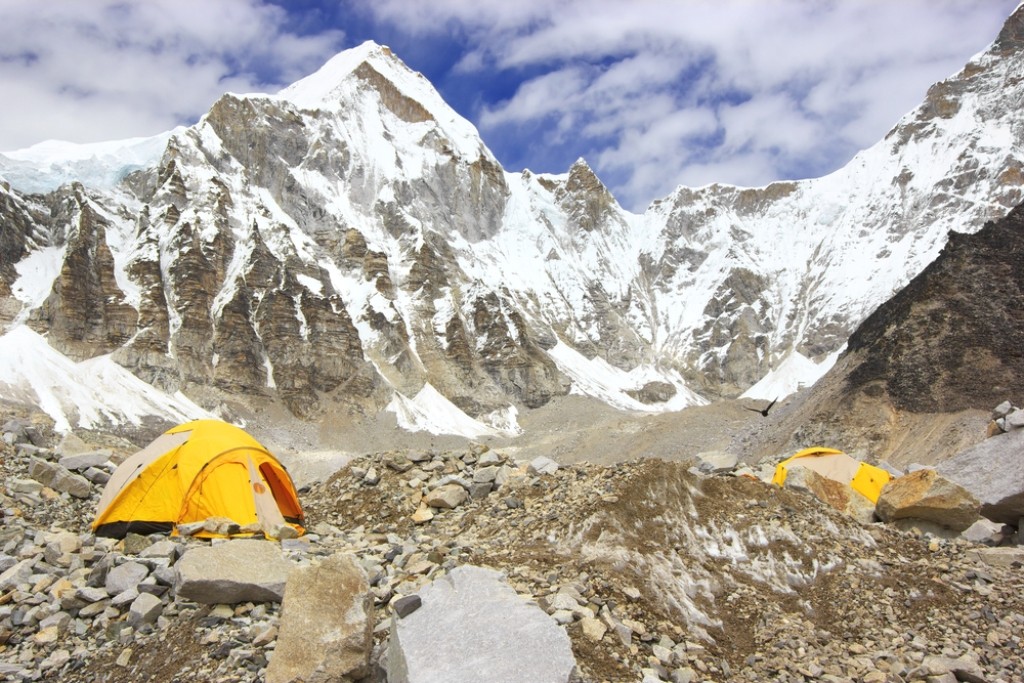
(350, 245)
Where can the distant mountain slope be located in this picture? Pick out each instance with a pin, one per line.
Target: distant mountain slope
(952, 339)
(923, 372)
(351, 241)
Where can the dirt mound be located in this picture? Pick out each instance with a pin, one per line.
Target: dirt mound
(729, 576)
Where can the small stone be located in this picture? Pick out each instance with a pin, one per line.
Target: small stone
(542, 465)
(593, 628)
(486, 474)
(125, 577)
(406, 605)
(449, 496)
(488, 459)
(46, 636)
(1015, 420)
(125, 658)
(1002, 410)
(422, 515)
(144, 610)
(478, 491)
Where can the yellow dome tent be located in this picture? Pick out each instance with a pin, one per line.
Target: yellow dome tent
(198, 470)
(828, 462)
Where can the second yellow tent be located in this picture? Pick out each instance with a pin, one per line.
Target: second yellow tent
(866, 479)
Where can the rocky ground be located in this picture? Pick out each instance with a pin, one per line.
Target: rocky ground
(657, 574)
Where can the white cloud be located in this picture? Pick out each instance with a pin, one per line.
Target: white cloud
(88, 71)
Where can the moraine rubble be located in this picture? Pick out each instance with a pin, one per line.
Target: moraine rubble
(655, 572)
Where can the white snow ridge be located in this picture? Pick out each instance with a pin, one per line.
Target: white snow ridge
(82, 395)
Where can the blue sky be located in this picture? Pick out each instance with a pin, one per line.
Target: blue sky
(653, 93)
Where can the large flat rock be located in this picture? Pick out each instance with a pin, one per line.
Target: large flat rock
(993, 471)
(232, 572)
(472, 627)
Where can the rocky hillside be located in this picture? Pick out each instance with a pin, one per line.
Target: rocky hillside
(656, 573)
(351, 244)
(923, 371)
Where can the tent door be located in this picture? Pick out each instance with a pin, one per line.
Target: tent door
(267, 512)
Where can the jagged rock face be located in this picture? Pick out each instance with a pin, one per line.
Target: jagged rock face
(86, 313)
(17, 223)
(923, 372)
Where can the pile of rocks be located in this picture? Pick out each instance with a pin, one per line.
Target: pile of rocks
(1006, 417)
(651, 571)
(658, 573)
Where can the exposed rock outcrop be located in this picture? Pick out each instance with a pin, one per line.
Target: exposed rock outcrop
(993, 470)
(926, 367)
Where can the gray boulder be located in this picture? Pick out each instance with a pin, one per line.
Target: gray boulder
(125, 577)
(542, 465)
(236, 571)
(485, 475)
(511, 639)
(17, 574)
(985, 531)
(715, 462)
(449, 496)
(84, 461)
(326, 631)
(144, 610)
(993, 471)
(59, 478)
(1006, 556)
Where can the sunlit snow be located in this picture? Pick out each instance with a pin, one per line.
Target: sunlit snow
(45, 166)
(429, 411)
(36, 273)
(597, 378)
(82, 395)
(794, 373)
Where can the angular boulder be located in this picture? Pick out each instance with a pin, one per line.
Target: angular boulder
(471, 626)
(542, 465)
(326, 630)
(144, 610)
(1006, 556)
(834, 493)
(716, 462)
(449, 496)
(125, 577)
(59, 478)
(993, 471)
(927, 495)
(83, 461)
(232, 572)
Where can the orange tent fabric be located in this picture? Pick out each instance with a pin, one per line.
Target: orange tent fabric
(198, 470)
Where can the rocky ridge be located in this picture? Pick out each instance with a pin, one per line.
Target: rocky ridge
(655, 571)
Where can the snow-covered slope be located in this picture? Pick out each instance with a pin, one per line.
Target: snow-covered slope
(101, 165)
(94, 393)
(350, 243)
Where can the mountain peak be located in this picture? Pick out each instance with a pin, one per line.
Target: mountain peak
(319, 90)
(371, 67)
